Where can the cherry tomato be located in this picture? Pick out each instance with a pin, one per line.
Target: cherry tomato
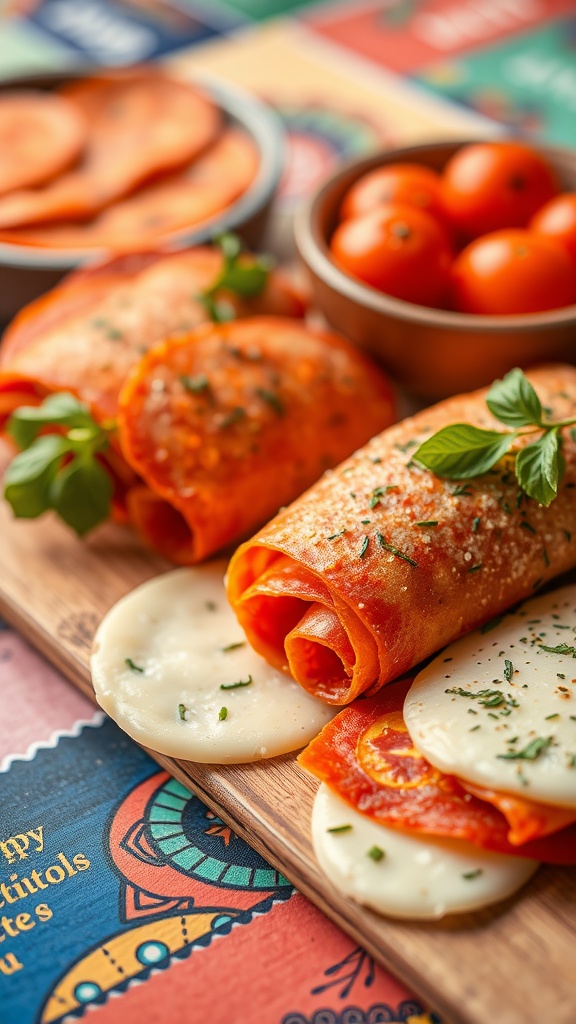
(557, 219)
(493, 185)
(513, 271)
(399, 250)
(396, 183)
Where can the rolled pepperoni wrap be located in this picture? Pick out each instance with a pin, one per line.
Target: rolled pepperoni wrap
(232, 421)
(382, 563)
(87, 333)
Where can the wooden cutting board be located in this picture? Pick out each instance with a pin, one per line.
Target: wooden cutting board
(510, 965)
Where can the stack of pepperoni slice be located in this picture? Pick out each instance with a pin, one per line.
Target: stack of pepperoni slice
(116, 161)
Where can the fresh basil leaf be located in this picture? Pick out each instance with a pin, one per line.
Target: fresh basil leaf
(219, 310)
(514, 401)
(246, 280)
(29, 465)
(540, 467)
(59, 409)
(230, 245)
(81, 494)
(461, 451)
(28, 478)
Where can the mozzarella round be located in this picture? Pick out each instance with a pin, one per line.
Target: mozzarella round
(498, 707)
(416, 877)
(165, 663)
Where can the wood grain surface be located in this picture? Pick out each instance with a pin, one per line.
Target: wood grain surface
(510, 965)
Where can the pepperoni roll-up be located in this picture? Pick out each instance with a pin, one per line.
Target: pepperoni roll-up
(382, 562)
(86, 334)
(232, 421)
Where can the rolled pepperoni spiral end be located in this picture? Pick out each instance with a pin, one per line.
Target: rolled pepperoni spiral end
(382, 563)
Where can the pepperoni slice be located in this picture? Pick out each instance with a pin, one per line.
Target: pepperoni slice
(366, 756)
(173, 203)
(41, 133)
(141, 123)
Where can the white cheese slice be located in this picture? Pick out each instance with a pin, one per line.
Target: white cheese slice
(416, 877)
(499, 707)
(160, 669)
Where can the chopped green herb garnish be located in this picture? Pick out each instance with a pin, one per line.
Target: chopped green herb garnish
(236, 686)
(222, 714)
(234, 416)
(196, 385)
(364, 547)
(394, 551)
(340, 828)
(462, 491)
(132, 664)
(486, 698)
(427, 522)
(508, 670)
(476, 568)
(376, 495)
(475, 524)
(211, 606)
(527, 526)
(272, 400)
(334, 536)
(376, 853)
(560, 649)
(548, 717)
(474, 727)
(469, 875)
(182, 709)
(234, 647)
(530, 752)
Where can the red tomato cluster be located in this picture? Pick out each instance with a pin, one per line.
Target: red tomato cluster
(492, 234)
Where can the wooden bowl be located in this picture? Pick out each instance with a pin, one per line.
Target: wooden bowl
(430, 352)
(26, 272)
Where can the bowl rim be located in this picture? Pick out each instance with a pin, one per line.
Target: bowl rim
(259, 120)
(313, 248)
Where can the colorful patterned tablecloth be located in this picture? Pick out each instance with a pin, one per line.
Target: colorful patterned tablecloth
(120, 892)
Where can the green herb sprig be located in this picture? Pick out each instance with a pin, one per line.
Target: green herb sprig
(462, 451)
(59, 471)
(246, 277)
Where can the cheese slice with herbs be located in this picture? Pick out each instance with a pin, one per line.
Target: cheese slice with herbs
(408, 876)
(498, 707)
(172, 667)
